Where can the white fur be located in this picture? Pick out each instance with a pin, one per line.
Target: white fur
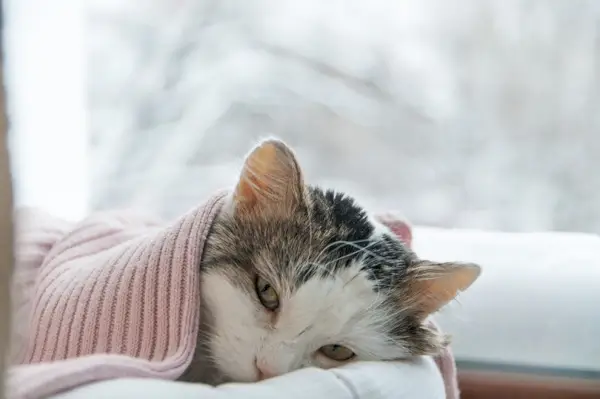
(379, 228)
(341, 310)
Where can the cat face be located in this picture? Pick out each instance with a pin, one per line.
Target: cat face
(294, 276)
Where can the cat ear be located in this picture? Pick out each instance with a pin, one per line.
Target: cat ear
(398, 225)
(433, 285)
(271, 180)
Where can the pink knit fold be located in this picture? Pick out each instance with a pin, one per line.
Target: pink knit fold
(113, 296)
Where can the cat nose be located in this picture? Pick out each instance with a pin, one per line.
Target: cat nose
(264, 372)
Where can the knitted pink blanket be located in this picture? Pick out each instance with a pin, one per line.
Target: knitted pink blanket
(113, 296)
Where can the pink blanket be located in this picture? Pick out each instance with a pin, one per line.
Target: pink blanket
(114, 296)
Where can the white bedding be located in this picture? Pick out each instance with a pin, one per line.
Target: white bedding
(417, 380)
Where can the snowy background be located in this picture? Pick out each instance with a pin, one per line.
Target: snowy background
(469, 113)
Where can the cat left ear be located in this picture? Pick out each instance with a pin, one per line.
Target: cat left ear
(433, 285)
(270, 182)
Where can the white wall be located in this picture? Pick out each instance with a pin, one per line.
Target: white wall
(45, 71)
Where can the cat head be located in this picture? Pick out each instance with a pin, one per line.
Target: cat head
(295, 276)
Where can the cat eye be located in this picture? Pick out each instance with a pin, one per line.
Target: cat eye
(337, 352)
(267, 294)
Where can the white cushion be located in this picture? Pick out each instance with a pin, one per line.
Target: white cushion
(417, 380)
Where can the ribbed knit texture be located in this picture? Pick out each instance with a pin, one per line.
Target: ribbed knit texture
(113, 296)
(115, 286)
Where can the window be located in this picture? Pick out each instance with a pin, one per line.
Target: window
(479, 122)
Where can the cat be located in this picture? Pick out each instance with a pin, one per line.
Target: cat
(296, 276)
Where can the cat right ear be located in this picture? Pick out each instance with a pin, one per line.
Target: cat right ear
(432, 285)
(271, 181)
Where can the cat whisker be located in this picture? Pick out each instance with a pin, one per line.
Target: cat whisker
(345, 256)
(324, 267)
(343, 243)
(339, 243)
(365, 249)
(358, 273)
